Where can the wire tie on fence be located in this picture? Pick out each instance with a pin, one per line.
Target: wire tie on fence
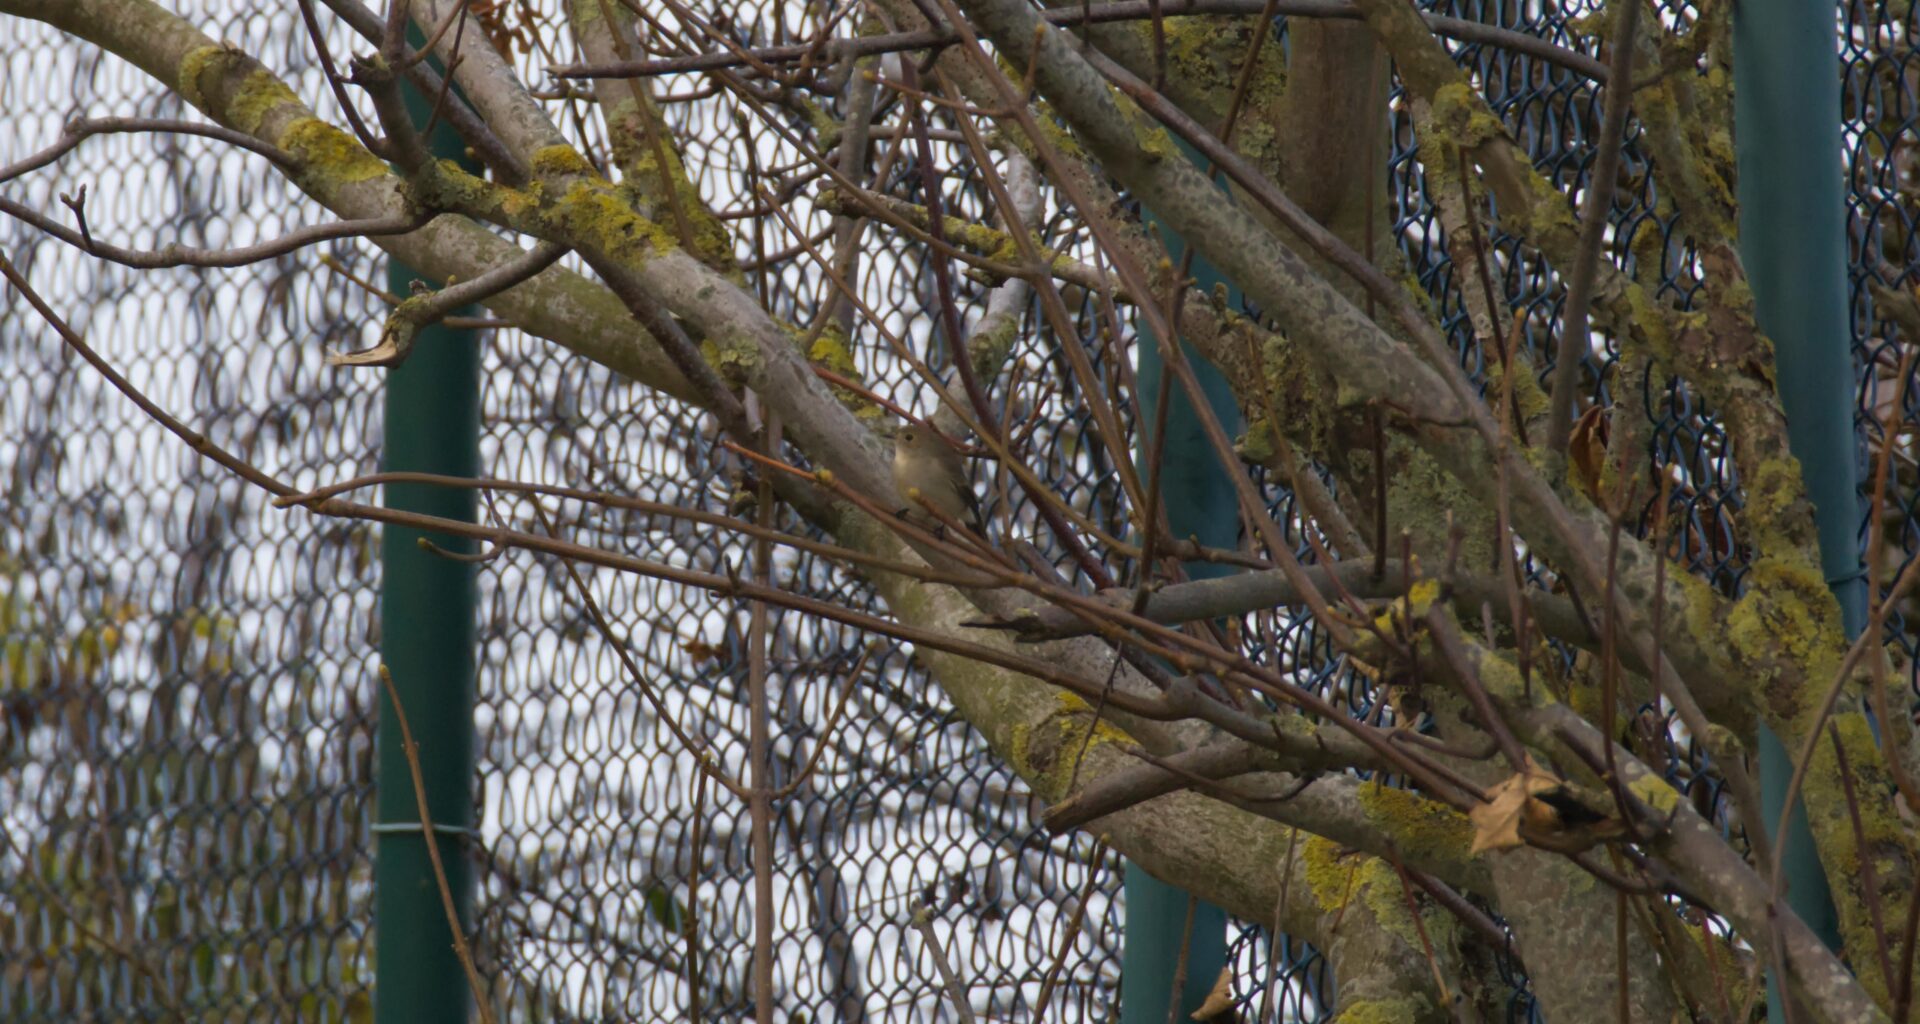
(1847, 577)
(395, 827)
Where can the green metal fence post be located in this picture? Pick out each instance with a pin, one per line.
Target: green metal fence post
(1199, 501)
(1793, 243)
(427, 637)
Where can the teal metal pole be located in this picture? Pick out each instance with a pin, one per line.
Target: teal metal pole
(1793, 243)
(1199, 501)
(427, 639)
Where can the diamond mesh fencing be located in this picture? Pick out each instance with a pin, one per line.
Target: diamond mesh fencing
(187, 674)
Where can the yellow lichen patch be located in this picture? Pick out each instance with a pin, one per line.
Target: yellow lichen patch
(195, 65)
(1776, 506)
(1397, 1010)
(1104, 731)
(1058, 135)
(1423, 829)
(1653, 791)
(1545, 212)
(597, 216)
(1259, 445)
(559, 160)
(1528, 397)
(328, 153)
(1045, 753)
(733, 358)
(1803, 594)
(826, 129)
(1338, 877)
(988, 348)
(1418, 601)
(1331, 870)
(1701, 602)
(1459, 112)
(445, 183)
(1429, 502)
(1787, 616)
(1501, 677)
(259, 95)
(1155, 143)
(830, 350)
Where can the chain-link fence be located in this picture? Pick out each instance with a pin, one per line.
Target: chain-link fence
(186, 674)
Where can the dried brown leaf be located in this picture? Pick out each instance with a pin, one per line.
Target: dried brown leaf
(1511, 806)
(1219, 1002)
(1587, 448)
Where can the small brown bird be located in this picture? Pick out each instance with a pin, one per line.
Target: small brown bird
(923, 461)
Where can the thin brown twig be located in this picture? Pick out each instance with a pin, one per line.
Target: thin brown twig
(1622, 982)
(473, 323)
(1179, 986)
(689, 743)
(1898, 730)
(1277, 935)
(1426, 942)
(432, 839)
(922, 922)
(81, 129)
(1903, 986)
(1596, 211)
(1058, 514)
(347, 109)
(760, 751)
(695, 838)
(193, 438)
(174, 255)
(609, 499)
(833, 722)
(1107, 425)
(1072, 932)
(1868, 885)
(1275, 684)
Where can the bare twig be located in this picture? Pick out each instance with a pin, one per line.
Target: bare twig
(922, 922)
(432, 839)
(407, 319)
(1596, 212)
(84, 128)
(760, 753)
(190, 256)
(1074, 921)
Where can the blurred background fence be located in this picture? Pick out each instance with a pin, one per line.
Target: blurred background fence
(187, 675)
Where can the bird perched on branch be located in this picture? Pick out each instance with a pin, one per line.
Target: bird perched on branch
(926, 464)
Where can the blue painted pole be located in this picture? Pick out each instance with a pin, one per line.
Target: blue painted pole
(1793, 243)
(1199, 501)
(427, 639)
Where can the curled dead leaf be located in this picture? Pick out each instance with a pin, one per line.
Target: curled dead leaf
(1587, 450)
(1512, 805)
(1218, 1006)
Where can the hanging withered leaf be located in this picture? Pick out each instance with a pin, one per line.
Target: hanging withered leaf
(1587, 450)
(1218, 1006)
(1512, 805)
